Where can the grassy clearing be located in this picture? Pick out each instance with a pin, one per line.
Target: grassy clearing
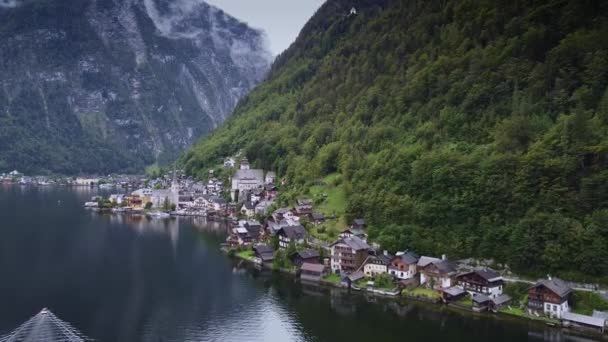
(247, 255)
(330, 198)
(422, 292)
(333, 278)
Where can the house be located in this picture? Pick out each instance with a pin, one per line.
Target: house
(485, 282)
(358, 224)
(256, 196)
(270, 177)
(349, 232)
(348, 254)
(309, 255)
(350, 278)
(248, 209)
(281, 213)
(376, 264)
(317, 218)
(241, 236)
(452, 294)
(312, 272)
(499, 302)
(262, 207)
(263, 254)
(229, 162)
(271, 191)
(436, 273)
(247, 232)
(549, 296)
(218, 203)
(403, 265)
(570, 319)
(303, 210)
(244, 164)
(304, 202)
(286, 235)
(481, 302)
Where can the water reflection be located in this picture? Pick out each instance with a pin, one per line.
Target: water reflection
(127, 278)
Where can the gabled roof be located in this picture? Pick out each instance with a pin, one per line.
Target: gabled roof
(587, 320)
(318, 216)
(558, 286)
(318, 268)
(424, 261)
(454, 291)
(481, 298)
(293, 232)
(307, 253)
(353, 242)
(502, 299)
(261, 248)
(408, 258)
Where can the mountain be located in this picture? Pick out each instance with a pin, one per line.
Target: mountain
(98, 86)
(470, 128)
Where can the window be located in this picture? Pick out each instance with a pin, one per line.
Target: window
(555, 308)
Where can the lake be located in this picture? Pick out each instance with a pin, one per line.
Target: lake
(123, 278)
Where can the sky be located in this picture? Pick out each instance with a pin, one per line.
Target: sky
(281, 19)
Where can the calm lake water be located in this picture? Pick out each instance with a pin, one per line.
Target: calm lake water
(119, 278)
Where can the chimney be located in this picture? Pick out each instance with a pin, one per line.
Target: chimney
(444, 257)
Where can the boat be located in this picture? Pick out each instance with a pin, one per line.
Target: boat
(90, 205)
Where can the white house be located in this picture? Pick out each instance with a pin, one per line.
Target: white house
(486, 282)
(549, 296)
(270, 177)
(376, 264)
(403, 265)
(436, 273)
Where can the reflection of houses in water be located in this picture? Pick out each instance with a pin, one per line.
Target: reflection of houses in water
(555, 335)
(342, 303)
(400, 309)
(314, 290)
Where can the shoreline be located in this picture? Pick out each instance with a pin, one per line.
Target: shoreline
(399, 297)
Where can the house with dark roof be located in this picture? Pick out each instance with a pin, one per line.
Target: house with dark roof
(486, 282)
(317, 218)
(348, 254)
(549, 296)
(376, 264)
(308, 255)
(312, 271)
(358, 224)
(403, 265)
(263, 254)
(287, 234)
(436, 273)
(353, 232)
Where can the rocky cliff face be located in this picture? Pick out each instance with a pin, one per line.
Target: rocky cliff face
(114, 85)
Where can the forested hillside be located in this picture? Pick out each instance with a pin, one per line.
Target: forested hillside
(472, 128)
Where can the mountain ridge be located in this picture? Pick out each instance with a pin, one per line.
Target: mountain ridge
(473, 129)
(117, 85)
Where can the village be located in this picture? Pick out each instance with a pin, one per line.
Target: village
(281, 238)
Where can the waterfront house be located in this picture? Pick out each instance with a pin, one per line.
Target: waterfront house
(499, 302)
(218, 203)
(436, 273)
(481, 302)
(348, 254)
(452, 294)
(486, 282)
(549, 296)
(241, 236)
(376, 264)
(288, 234)
(263, 254)
(312, 271)
(308, 255)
